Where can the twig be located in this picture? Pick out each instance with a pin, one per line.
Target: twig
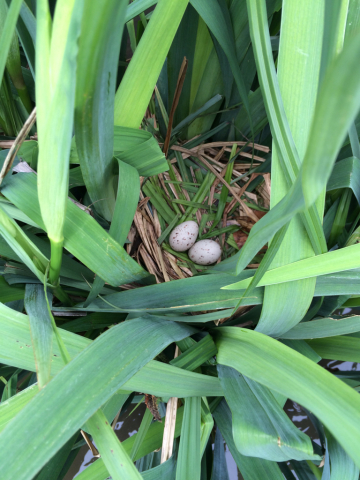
(256, 146)
(179, 86)
(17, 144)
(91, 446)
(169, 428)
(247, 210)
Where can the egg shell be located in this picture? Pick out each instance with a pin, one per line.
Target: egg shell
(205, 252)
(184, 236)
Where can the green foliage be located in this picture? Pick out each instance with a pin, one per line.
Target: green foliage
(100, 324)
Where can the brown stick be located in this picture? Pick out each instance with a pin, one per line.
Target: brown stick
(247, 210)
(17, 144)
(170, 422)
(179, 86)
(91, 446)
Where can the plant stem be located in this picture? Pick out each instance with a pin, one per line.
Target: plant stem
(55, 261)
(315, 470)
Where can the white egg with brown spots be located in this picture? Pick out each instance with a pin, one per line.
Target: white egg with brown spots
(205, 252)
(184, 236)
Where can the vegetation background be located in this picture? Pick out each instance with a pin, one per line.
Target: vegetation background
(240, 115)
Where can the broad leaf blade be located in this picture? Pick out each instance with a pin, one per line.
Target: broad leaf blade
(140, 78)
(41, 331)
(324, 327)
(261, 428)
(96, 386)
(113, 453)
(7, 33)
(280, 368)
(189, 458)
(95, 92)
(251, 468)
(102, 252)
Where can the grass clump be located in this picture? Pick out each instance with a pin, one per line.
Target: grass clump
(241, 116)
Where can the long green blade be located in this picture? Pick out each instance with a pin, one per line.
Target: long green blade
(261, 428)
(83, 395)
(137, 86)
(338, 111)
(324, 327)
(332, 116)
(56, 120)
(189, 458)
(251, 468)
(103, 255)
(336, 261)
(280, 368)
(41, 331)
(7, 32)
(113, 454)
(95, 92)
(23, 247)
(156, 378)
(125, 208)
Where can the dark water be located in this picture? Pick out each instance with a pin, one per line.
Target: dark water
(128, 425)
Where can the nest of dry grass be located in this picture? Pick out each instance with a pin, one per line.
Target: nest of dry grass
(168, 199)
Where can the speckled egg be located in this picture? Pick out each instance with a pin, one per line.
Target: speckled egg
(184, 236)
(205, 252)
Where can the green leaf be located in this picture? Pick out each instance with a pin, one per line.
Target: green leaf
(188, 295)
(332, 119)
(137, 7)
(196, 355)
(152, 441)
(302, 347)
(113, 453)
(143, 429)
(95, 385)
(295, 75)
(346, 174)
(10, 294)
(55, 122)
(102, 252)
(165, 471)
(207, 425)
(217, 18)
(337, 348)
(324, 327)
(219, 470)
(338, 118)
(331, 262)
(125, 208)
(293, 101)
(265, 263)
(6, 33)
(139, 149)
(189, 458)
(190, 118)
(26, 29)
(280, 368)
(13, 64)
(99, 50)
(261, 428)
(251, 468)
(137, 85)
(166, 380)
(22, 246)
(54, 467)
(135, 147)
(341, 464)
(183, 45)
(41, 331)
